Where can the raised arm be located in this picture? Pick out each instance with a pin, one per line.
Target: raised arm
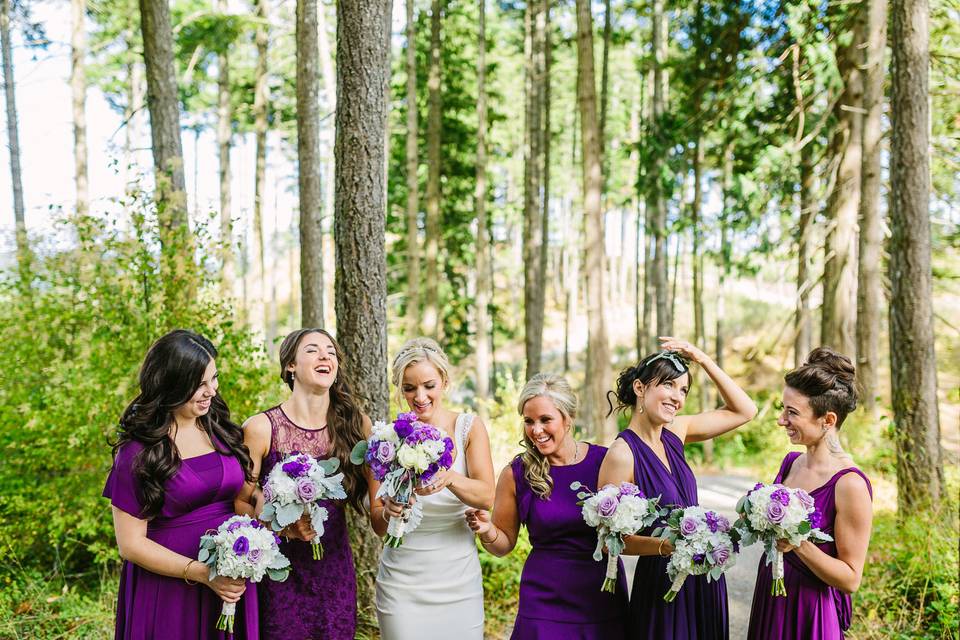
(498, 534)
(737, 408)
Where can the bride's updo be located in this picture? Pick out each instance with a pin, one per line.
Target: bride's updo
(829, 380)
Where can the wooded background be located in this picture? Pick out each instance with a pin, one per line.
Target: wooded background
(546, 185)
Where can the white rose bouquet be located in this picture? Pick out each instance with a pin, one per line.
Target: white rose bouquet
(241, 547)
(295, 486)
(615, 511)
(704, 544)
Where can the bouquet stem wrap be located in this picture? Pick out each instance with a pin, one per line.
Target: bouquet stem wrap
(610, 582)
(225, 621)
(675, 587)
(395, 529)
(778, 588)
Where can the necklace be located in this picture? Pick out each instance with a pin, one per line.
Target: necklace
(576, 451)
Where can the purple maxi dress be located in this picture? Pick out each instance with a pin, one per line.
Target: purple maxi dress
(700, 609)
(319, 599)
(811, 610)
(560, 596)
(199, 497)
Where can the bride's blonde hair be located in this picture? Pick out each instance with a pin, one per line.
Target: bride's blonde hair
(418, 350)
(536, 467)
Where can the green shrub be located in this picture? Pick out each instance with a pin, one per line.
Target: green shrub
(501, 586)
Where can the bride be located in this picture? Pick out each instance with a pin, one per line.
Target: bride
(430, 586)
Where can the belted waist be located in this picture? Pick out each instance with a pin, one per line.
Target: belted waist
(206, 512)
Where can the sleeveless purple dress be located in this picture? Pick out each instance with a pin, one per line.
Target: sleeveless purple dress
(199, 497)
(700, 610)
(811, 610)
(560, 596)
(319, 599)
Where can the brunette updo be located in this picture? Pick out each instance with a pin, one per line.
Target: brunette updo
(828, 380)
(654, 369)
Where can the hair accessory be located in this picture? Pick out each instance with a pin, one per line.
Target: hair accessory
(673, 357)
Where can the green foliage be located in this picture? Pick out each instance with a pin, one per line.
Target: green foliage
(501, 586)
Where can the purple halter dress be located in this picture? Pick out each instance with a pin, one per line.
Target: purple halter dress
(560, 596)
(319, 599)
(198, 497)
(811, 610)
(700, 609)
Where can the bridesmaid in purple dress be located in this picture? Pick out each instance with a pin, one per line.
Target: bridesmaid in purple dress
(178, 463)
(321, 418)
(650, 453)
(560, 596)
(819, 577)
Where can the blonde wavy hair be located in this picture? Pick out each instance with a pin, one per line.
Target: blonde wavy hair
(418, 350)
(536, 467)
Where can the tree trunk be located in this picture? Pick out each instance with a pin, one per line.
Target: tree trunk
(605, 76)
(545, 134)
(78, 86)
(696, 257)
(657, 203)
(413, 183)
(480, 204)
(13, 142)
(363, 75)
(261, 101)
(308, 153)
(725, 250)
(329, 79)
(838, 319)
(171, 194)
(803, 342)
(224, 130)
(431, 303)
(913, 366)
(869, 292)
(534, 209)
(598, 349)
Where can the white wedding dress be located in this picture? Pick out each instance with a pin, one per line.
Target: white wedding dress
(430, 586)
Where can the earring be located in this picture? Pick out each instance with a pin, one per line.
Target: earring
(641, 405)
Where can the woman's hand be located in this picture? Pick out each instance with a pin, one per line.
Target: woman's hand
(393, 509)
(684, 348)
(302, 529)
(440, 481)
(784, 546)
(228, 589)
(479, 521)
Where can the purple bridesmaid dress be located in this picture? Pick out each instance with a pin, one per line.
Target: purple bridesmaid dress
(811, 610)
(199, 497)
(700, 609)
(560, 596)
(319, 599)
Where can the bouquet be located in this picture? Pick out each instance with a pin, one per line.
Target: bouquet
(770, 512)
(703, 542)
(295, 486)
(403, 455)
(615, 511)
(241, 547)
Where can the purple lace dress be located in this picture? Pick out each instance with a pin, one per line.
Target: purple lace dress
(319, 599)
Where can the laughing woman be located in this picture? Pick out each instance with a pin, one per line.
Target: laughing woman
(819, 578)
(650, 454)
(178, 463)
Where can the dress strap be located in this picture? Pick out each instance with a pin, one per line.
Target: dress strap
(461, 430)
(786, 465)
(839, 474)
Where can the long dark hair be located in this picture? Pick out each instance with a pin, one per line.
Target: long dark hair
(654, 369)
(344, 419)
(169, 376)
(829, 381)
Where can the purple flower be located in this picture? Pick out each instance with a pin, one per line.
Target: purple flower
(306, 489)
(775, 512)
(295, 468)
(255, 555)
(268, 494)
(782, 496)
(241, 546)
(688, 525)
(713, 522)
(805, 498)
(276, 539)
(815, 519)
(630, 489)
(698, 558)
(607, 506)
(757, 486)
(723, 524)
(386, 451)
(446, 460)
(403, 425)
(720, 554)
(233, 526)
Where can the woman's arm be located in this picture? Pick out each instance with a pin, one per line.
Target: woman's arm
(256, 435)
(851, 531)
(737, 408)
(499, 535)
(378, 513)
(476, 489)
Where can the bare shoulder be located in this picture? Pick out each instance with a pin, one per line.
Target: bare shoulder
(477, 430)
(506, 478)
(366, 425)
(257, 427)
(851, 488)
(618, 453)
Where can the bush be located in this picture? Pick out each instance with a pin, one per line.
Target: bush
(501, 586)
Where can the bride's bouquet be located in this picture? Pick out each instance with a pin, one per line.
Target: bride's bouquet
(770, 512)
(295, 486)
(615, 511)
(403, 455)
(703, 544)
(241, 547)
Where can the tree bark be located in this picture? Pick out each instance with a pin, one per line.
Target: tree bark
(869, 290)
(308, 153)
(13, 142)
(363, 75)
(598, 349)
(725, 250)
(78, 87)
(261, 102)
(480, 202)
(329, 79)
(657, 203)
(913, 366)
(803, 342)
(413, 183)
(431, 302)
(605, 76)
(545, 135)
(224, 130)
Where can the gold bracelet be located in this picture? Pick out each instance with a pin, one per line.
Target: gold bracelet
(495, 538)
(383, 514)
(660, 548)
(185, 573)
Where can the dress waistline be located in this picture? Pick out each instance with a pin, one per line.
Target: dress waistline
(205, 512)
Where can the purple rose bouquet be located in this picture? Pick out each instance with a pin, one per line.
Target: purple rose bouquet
(615, 511)
(704, 543)
(771, 512)
(241, 547)
(403, 455)
(295, 486)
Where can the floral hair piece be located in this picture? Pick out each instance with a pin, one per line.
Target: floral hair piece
(673, 357)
